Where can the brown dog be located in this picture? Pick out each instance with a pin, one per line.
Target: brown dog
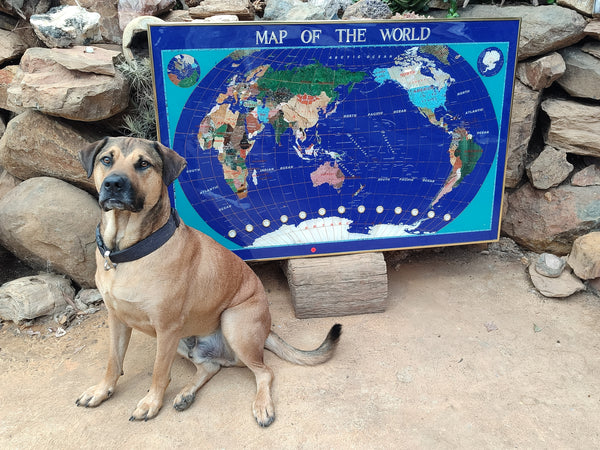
(195, 296)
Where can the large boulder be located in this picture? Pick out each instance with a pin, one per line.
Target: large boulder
(34, 296)
(44, 84)
(550, 221)
(109, 17)
(49, 224)
(524, 114)
(543, 29)
(573, 126)
(241, 8)
(67, 25)
(582, 75)
(36, 145)
(585, 256)
(11, 46)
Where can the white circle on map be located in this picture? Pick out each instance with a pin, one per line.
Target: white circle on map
(361, 209)
(415, 212)
(447, 217)
(249, 228)
(342, 209)
(322, 211)
(232, 234)
(397, 210)
(431, 214)
(379, 209)
(266, 223)
(302, 215)
(283, 219)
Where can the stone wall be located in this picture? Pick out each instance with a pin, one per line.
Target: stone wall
(60, 89)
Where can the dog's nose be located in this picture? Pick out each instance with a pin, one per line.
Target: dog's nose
(115, 183)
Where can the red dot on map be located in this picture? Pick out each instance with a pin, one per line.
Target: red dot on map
(313, 250)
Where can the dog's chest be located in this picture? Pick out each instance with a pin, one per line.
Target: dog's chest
(128, 302)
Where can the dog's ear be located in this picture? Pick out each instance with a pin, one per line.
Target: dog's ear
(88, 154)
(173, 164)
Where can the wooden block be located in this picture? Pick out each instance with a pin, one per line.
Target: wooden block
(338, 285)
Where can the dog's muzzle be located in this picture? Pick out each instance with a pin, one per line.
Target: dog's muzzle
(117, 192)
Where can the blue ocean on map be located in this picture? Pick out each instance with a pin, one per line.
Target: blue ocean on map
(327, 144)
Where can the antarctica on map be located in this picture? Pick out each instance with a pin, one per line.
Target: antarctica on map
(337, 137)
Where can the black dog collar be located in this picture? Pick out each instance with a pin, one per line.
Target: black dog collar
(141, 248)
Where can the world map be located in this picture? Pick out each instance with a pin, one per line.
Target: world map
(326, 144)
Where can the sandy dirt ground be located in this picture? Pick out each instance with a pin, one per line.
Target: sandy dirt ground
(467, 355)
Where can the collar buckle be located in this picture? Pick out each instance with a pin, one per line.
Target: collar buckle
(108, 264)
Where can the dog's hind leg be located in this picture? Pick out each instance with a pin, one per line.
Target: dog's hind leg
(204, 372)
(246, 328)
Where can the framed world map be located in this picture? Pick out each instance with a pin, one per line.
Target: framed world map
(333, 137)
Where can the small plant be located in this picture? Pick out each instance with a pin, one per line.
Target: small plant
(140, 121)
(453, 11)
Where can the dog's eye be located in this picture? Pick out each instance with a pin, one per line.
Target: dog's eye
(144, 164)
(106, 160)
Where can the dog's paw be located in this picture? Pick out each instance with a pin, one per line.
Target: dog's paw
(264, 412)
(94, 396)
(147, 408)
(183, 401)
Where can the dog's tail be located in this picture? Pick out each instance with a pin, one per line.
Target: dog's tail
(303, 357)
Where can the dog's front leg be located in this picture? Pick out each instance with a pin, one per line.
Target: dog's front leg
(119, 340)
(166, 349)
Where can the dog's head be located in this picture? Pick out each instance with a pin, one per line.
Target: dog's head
(130, 173)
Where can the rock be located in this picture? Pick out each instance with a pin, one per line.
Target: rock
(37, 145)
(11, 46)
(50, 225)
(7, 74)
(582, 76)
(7, 182)
(573, 126)
(45, 85)
(88, 59)
(24, 8)
(278, 9)
(87, 297)
(130, 9)
(35, 296)
(64, 26)
(136, 35)
(524, 114)
(243, 9)
(300, 11)
(550, 221)
(592, 48)
(178, 15)
(368, 9)
(549, 169)
(582, 6)
(221, 18)
(585, 256)
(563, 286)
(542, 72)
(589, 176)
(593, 29)
(549, 265)
(543, 28)
(109, 17)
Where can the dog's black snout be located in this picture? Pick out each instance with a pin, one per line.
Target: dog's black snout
(115, 183)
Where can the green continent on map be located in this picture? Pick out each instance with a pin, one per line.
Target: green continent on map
(464, 153)
(285, 99)
(312, 79)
